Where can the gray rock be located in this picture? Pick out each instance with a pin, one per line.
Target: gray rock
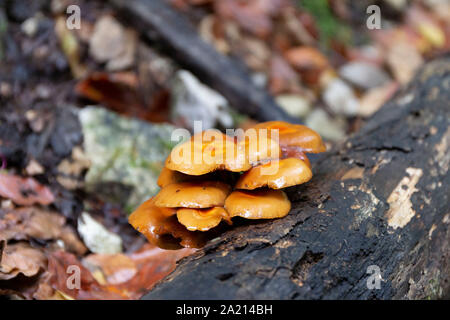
(363, 74)
(124, 151)
(193, 101)
(96, 237)
(329, 128)
(294, 104)
(339, 96)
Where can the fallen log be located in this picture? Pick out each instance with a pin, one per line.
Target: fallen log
(161, 24)
(372, 223)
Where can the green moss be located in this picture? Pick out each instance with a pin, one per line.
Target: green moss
(329, 27)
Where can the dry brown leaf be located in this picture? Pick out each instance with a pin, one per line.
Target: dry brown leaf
(373, 99)
(254, 16)
(31, 222)
(404, 60)
(282, 77)
(21, 258)
(24, 191)
(309, 61)
(90, 289)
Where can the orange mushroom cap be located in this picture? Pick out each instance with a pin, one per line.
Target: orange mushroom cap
(258, 204)
(202, 219)
(161, 228)
(168, 176)
(276, 174)
(204, 194)
(295, 152)
(205, 152)
(295, 135)
(258, 147)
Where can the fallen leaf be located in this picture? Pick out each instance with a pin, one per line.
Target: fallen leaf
(309, 61)
(62, 265)
(153, 264)
(21, 258)
(283, 77)
(404, 60)
(253, 16)
(117, 268)
(373, 99)
(31, 222)
(120, 93)
(24, 191)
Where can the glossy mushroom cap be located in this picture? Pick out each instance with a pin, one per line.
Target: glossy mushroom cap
(160, 227)
(203, 153)
(295, 135)
(295, 152)
(259, 148)
(202, 219)
(258, 204)
(276, 174)
(168, 176)
(203, 194)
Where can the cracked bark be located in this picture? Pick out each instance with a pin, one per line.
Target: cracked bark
(381, 198)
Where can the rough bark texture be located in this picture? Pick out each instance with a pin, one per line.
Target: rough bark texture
(382, 198)
(161, 24)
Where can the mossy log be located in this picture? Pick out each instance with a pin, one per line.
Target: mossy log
(380, 199)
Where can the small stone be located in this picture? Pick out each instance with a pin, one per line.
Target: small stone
(329, 128)
(30, 26)
(112, 44)
(194, 101)
(340, 97)
(96, 237)
(363, 74)
(294, 104)
(34, 168)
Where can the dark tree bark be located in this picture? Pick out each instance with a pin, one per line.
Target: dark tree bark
(161, 24)
(380, 199)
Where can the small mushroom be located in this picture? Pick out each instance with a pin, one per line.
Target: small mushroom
(206, 152)
(161, 228)
(203, 194)
(202, 219)
(294, 135)
(295, 152)
(168, 176)
(276, 174)
(259, 148)
(258, 204)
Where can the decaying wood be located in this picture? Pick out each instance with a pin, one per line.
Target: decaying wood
(161, 24)
(381, 199)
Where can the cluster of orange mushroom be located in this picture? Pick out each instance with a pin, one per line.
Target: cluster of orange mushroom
(214, 177)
